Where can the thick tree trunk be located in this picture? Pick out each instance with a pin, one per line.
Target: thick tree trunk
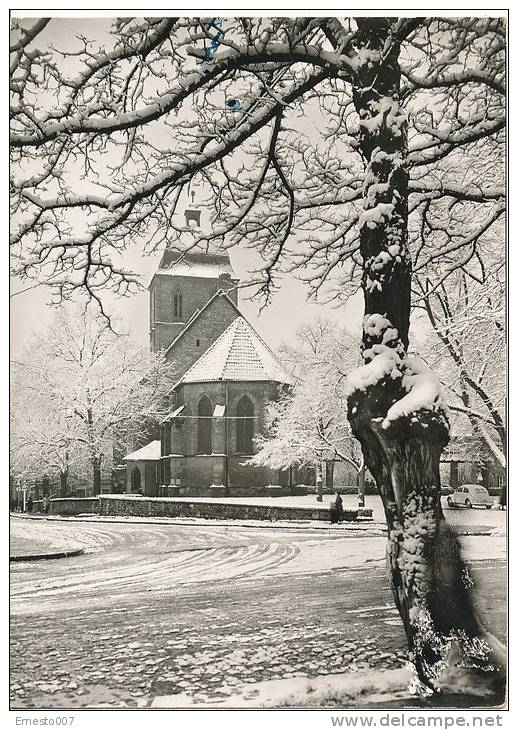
(45, 486)
(361, 487)
(402, 441)
(96, 463)
(330, 473)
(63, 483)
(318, 481)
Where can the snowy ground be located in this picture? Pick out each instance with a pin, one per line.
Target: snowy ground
(200, 611)
(29, 538)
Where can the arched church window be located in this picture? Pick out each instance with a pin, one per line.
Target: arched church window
(177, 305)
(204, 426)
(245, 426)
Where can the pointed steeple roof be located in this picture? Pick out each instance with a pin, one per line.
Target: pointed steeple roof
(238, 354)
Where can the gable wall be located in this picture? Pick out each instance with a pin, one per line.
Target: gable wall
(196, 292)
(205, 330)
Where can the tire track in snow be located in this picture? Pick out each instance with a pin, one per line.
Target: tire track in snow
(134, 558)
(165, 574)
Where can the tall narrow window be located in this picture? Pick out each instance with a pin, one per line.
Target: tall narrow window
(177, 305)
(153, 302)
(136, 480)
(167, 439)
(245, 426)
(204, 426)
(160, 472)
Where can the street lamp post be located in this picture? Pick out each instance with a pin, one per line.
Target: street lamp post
(23, 491)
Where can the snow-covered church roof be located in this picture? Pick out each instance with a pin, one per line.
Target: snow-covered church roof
(149, 452)
(238, 354)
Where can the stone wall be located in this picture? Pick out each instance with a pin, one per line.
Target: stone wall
(127, 505)
(148, 483)
(196, 472)
(200, 335)
(70, 506)
(170, 507)
(208, 326)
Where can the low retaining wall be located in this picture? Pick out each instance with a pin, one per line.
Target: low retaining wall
(70, 506)
(136, 506)
(213, 510)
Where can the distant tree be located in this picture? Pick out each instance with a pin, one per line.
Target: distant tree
(306, 425)
(328, 145)
(467, 349)
(41, 439)
(88, 389)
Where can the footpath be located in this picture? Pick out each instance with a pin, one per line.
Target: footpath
(31, 548)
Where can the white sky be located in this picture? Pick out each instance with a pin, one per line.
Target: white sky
(31, 311)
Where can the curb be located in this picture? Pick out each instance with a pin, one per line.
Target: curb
(46, 556)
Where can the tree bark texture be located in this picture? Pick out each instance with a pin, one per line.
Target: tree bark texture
(361, 486)
(330, 471)
(449, 648)
(63, 483)
(318, 481)
(96, 463)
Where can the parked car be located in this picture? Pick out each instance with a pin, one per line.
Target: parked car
(445, 490)
(469, 495)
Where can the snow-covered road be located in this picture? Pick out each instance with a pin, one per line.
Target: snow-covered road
(158, 609)
(128, 558)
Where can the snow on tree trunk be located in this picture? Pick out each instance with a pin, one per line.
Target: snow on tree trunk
(63, 483)
(394, 402)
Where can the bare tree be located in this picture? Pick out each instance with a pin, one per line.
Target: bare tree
(89, 390)
(330, 146)
(42, 438)
(468, 321)
(306, 425)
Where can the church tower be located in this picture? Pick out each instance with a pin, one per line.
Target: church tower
(184, 283)
(222, 374)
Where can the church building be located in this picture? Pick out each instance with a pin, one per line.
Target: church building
(224, 376)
